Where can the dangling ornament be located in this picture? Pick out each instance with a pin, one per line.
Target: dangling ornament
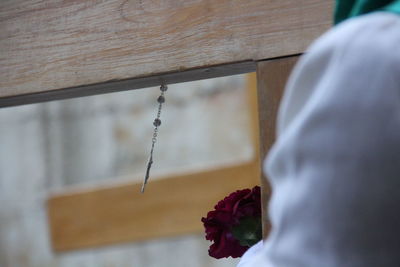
(156, 123)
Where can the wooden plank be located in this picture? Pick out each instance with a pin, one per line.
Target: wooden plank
(118, 214)
(253, 104)
(271, 80)
(59, 49)
(255, 129)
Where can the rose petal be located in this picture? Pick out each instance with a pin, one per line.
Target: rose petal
(226, 214)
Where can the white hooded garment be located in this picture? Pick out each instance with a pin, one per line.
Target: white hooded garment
(335, 167)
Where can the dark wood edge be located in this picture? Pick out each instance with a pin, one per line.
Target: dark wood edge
(130, 84)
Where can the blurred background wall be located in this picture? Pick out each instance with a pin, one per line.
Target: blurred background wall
(102, 139)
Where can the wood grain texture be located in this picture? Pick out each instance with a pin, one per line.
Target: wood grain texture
(51, 46)
(117, 214)
(272, 76)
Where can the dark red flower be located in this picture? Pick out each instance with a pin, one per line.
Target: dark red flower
(228, 214)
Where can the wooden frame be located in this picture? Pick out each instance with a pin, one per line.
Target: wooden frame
(60, 49)
(115, 214)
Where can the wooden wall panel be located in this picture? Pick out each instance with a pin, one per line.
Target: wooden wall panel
(60, 49)
(121, 213)
(272, 76)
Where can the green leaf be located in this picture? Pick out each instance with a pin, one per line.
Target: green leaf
(248, 231)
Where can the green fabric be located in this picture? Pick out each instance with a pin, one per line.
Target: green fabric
(350, 8)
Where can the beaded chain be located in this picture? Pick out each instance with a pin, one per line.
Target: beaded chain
(156, 123)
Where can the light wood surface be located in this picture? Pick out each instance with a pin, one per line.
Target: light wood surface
(171, 206)
(272, 76)
(59, 49)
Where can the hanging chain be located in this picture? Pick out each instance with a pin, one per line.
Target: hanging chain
(156, 123)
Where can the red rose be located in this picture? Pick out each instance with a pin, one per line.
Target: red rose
(235, 217)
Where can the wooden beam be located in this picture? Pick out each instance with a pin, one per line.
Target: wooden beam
(129, 84)
(116, 214)
(271, 80)
(60, 49)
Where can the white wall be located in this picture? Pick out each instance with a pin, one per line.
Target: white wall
(50, 146)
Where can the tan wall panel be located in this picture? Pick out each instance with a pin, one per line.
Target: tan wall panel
(116, 214)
